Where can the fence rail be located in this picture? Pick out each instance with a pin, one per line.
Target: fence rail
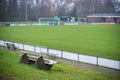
(68, 55)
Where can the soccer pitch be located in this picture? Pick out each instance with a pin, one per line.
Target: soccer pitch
(98, 40)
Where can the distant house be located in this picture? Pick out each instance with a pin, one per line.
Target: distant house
(104, 18)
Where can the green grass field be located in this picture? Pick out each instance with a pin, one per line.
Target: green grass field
(12, 69)
(97, 40)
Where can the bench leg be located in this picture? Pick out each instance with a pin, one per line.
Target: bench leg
(24, 59)
(8, 47)
(48, 67)
(14, 47)
(41, 65)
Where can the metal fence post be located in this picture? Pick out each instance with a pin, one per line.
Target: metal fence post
(78, 57)
(4, 42)
(47, 50)
(40, 49)
(119, 64)
(23, 47)
(34, 48)
(61, 53)
(13, 42)
(97, 61)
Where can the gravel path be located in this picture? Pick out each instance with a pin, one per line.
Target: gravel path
(84, 65)
(92, 67)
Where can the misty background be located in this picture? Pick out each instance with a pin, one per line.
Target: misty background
(18, 10)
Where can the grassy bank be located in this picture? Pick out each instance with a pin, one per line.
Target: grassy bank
(98, 40)
(12, 69)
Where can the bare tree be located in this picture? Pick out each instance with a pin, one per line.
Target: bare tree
(3, 9)
(116, 4)
(51, 8)
(106, 6)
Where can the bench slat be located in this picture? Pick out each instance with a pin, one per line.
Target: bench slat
(48, 61)
(34, 58)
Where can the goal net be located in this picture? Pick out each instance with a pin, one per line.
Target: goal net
(48, 21)
(82, 20)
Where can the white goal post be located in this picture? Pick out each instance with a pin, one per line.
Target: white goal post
(48, 21)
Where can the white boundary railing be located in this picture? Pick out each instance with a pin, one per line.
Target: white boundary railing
(68, 55)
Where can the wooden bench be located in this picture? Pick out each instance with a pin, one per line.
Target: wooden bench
(40, 61)
(11, 46)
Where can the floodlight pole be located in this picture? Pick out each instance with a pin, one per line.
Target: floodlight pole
(26, 11)
(93, 7)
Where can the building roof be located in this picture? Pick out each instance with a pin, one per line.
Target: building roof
(104, 15)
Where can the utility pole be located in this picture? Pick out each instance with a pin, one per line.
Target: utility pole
(26, 11)
(93, 7)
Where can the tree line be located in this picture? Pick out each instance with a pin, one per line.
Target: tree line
(35, 9)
